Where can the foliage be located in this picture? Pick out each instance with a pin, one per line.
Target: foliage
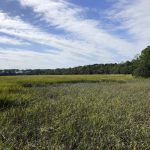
(124, 68)
(143, 67)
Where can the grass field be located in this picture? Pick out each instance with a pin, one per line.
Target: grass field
(84, 112)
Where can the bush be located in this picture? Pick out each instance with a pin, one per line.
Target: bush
(142, 71)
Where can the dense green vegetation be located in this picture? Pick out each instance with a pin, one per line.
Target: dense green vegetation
(139, 66)
(124, 68)
(83, 112)
(143, 65)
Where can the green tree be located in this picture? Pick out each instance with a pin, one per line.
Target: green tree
(143, 67)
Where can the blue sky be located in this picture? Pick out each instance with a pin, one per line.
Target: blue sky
(67, 33)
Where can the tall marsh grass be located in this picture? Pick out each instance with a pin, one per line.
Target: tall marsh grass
(38, 113)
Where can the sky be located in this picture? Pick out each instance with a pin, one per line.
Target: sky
(48, 34)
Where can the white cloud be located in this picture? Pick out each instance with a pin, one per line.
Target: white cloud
(68, 17)
(134, 17)
(86, 41)
(18, 58)
(72, 48)
(12, 41)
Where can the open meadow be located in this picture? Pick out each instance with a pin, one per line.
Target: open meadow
(66, 112)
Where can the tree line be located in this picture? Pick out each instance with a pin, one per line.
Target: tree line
(140, 66)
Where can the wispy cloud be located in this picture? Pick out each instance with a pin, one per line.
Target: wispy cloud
(134, 17)
(17, 58)
(68, 17)
(12, 41)
(84, 41)
(71, 47)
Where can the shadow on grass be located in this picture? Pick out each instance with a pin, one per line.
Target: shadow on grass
(29, 85)
(6, 103)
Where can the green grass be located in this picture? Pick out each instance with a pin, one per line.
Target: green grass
(83, 112)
